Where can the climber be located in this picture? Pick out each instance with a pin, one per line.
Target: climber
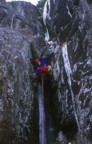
(42, 66)
(45, 60)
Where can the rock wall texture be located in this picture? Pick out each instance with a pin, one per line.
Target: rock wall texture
(20, 37)
(70, 24)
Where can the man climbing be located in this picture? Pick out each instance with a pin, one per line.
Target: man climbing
(43, 65)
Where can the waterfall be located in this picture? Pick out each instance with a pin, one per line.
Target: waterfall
(69, 72)
(42, 138)
(46, 16)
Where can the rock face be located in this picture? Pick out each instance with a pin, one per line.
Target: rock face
(70, 25)
(61, 17)
(20, 36)
(68, 95)
(2, 1)
(15, 93)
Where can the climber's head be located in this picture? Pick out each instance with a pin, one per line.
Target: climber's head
(37, 61)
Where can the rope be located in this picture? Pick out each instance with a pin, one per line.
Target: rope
(43, 131)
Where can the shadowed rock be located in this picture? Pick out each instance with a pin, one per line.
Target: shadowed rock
(71, 22)
(20, 36)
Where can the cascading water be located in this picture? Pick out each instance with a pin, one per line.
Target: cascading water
(69, 72)
(46, 127)
(41, 116)
(46, 15)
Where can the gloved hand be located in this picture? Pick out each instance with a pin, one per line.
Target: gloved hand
(49, 68)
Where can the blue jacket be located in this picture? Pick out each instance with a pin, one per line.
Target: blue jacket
(44, 61)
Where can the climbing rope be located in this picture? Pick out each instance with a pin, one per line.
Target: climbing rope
(43, 127)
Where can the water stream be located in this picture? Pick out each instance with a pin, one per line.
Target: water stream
(42, 139)
(46, 128)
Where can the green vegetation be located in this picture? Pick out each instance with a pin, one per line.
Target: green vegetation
(40, 5)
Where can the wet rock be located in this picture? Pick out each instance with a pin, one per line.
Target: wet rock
(20, 35)
(61, 16)
(60, 138)
(21, 39)
(22, 16)
(15, 93)
(71, 22)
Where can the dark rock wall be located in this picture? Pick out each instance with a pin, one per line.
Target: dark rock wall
(70, 23)
(20, 16)
(15, 85)
(21, 37)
